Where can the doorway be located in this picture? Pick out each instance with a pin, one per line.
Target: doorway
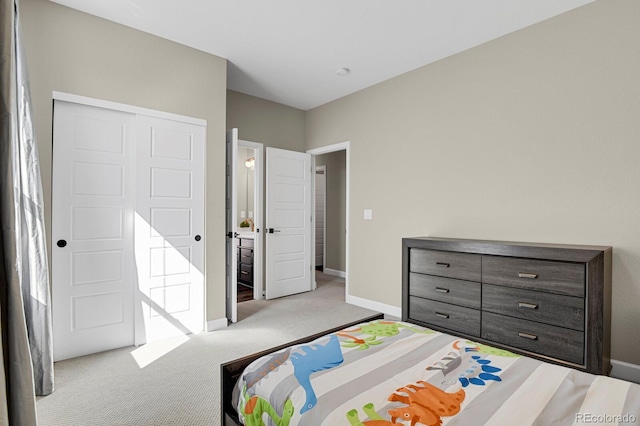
(244, 212)
(287, 228)
(335, 159)
(321, 203)
(249, 212)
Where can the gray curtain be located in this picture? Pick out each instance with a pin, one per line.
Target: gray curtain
(27, 367)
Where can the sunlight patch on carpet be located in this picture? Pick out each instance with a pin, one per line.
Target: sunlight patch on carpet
(147, 354)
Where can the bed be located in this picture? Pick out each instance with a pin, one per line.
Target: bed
(491, 333)
(383, 372)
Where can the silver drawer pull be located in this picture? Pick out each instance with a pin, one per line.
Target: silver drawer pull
(527, 275)
(442, 264)
(439, 315)
(245, 273)
(527, 305)
(528, 336)
(442, 290)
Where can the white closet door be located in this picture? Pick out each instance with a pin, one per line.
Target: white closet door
(169, 221)
(92, 253)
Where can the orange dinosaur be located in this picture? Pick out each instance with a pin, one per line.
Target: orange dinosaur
(425, 404)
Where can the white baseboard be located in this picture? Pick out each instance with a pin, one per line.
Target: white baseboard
(375, 306)
(217, 324)
(626, 371)
(335, 272)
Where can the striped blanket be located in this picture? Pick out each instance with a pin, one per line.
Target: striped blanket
(394, 373)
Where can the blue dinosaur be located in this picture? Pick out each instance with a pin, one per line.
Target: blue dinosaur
(466, 367)
(316, 357)
(479, 378)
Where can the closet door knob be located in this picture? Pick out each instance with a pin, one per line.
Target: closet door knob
(198, 237)
(61, 243)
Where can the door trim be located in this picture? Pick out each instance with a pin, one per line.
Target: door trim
(100, 103)
(346, 146)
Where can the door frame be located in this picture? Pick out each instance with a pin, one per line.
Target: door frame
(346, 146)
(100, 103)
(258, 215)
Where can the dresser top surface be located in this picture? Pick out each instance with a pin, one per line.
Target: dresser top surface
(565, 252)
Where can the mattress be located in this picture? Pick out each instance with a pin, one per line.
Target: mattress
(395, 373)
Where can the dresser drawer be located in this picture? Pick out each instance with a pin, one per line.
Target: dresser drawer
(446, 264)
(245, 273)
(555, 309)
(552, 277)
(456, 292)
(246, 256)
(245, 242)
(458, 318)
(543, 339)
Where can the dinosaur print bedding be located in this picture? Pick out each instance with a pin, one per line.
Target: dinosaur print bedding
(386, 373)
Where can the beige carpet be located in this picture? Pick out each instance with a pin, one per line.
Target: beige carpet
(182, 387)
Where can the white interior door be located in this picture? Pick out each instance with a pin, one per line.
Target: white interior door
(169, 226)
(232, 226)
(288, 219)
(92, 229)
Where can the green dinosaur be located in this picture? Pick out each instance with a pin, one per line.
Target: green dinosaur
(388, 328)
(375, 329)
(375, 418)
(484, 349)
(360, 343)
(256, 406)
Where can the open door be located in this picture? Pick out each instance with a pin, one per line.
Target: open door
(288, 218)
(232, 226)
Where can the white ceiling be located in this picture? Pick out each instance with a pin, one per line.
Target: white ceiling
(288, 51)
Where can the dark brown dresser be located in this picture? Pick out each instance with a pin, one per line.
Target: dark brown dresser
(548, 301)
(245, 262)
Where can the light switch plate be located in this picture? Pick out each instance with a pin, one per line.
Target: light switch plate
(368, 214)
(241, 214)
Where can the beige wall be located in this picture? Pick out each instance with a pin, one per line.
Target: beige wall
(73, 52)
(269, 123)
(532, 137)
(336, 219)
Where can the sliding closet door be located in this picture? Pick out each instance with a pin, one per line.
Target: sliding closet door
(169, 221)
(92, 253)
(128, 227)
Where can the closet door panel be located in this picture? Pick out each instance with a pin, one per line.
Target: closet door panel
(92, 250)
(169, 216)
